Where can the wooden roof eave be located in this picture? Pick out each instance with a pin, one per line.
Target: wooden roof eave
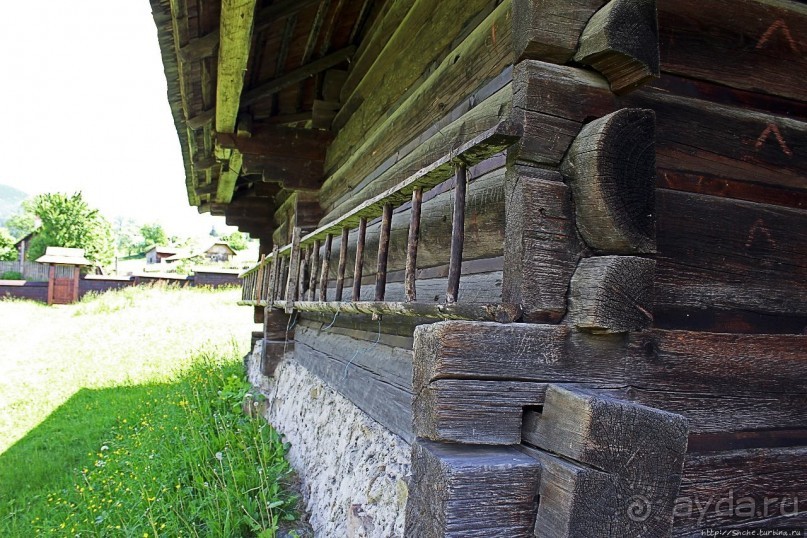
(161, 12)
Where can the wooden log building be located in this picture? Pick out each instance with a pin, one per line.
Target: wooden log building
(581, 223)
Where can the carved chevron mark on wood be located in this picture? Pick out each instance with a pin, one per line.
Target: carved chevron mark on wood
(778, 25)
(772, 128)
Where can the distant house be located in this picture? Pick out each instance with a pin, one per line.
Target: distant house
(23, 245)
(217, 252)
(157, 254)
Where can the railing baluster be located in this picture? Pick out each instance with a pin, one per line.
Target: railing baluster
(305, 261)
(326, 267)
(281, 282)
(383, 253)
(314, 269)
(340, 277)
(412, 246)
(294, 270)
(273, 276)
(265, 283)
(259, 279)
(357, 269)
(457, 235)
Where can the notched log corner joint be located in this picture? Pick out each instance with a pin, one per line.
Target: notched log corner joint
(621, 42)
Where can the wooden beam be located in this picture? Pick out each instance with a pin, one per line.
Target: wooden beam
(542, 248)
(201, 120)
(268, 88)
(621, 42)
(236, 38)
(230, 170)
(292, 157)
(460, 491)
(611, 167)
(200, 47)
(280, 10)
(611, 294)
(549, 30)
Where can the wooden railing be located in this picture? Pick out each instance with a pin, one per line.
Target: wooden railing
(277, 279)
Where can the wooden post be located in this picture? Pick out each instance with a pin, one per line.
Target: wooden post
(457, 235)
(51, 283)
(281, 280)
(340, 276)
(383, 253)
(294, 270)
(273, 277)
(313, 270)
(76, 274)
(259, 280)
(412, 245)
(357, 269)
(326, 266)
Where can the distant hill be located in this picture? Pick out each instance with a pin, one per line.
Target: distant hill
(10, 200)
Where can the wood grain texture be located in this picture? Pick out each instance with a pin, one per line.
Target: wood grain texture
(717, 255)
(621, 42)
(719, 382)
(760, 47)
(611, 294)
(641, 449)
(551, 103)
(742, 489)
(375, 377)
(470, 491)
(611, 168)
(549, 30)
(542, 248)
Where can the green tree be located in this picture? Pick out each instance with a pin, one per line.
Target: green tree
(153, 235)
(67, 221)
(22, 223)
(7, 250)
(236, 240)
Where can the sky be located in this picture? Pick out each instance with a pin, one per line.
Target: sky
(84, 108)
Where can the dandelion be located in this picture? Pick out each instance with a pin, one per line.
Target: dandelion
(219, 456)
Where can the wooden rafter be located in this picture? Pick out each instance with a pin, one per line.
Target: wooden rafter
(236, 37)
(273, 86)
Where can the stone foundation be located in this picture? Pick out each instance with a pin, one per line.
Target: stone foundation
(354, 472)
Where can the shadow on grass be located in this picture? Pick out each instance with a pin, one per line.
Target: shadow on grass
(47, 457)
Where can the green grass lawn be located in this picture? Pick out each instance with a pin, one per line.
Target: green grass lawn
(120, 416)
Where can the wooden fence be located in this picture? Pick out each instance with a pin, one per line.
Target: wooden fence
(31, 271)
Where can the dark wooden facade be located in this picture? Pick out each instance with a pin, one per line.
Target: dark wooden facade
(566, 237)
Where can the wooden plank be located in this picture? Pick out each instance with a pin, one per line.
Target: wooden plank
(375, 377)
(500, 313)
(641, 449)
(743, 489)
(457, 234)
(734, 145)
(236, 38)
(718, 255)
(611, 168)
(621, 42)
(720, 382)
(468, 491)
(549, 30)
(313, 270)
(456, 86)
(429, 27)
(760, 47)
(542, 248)
(612, 294)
